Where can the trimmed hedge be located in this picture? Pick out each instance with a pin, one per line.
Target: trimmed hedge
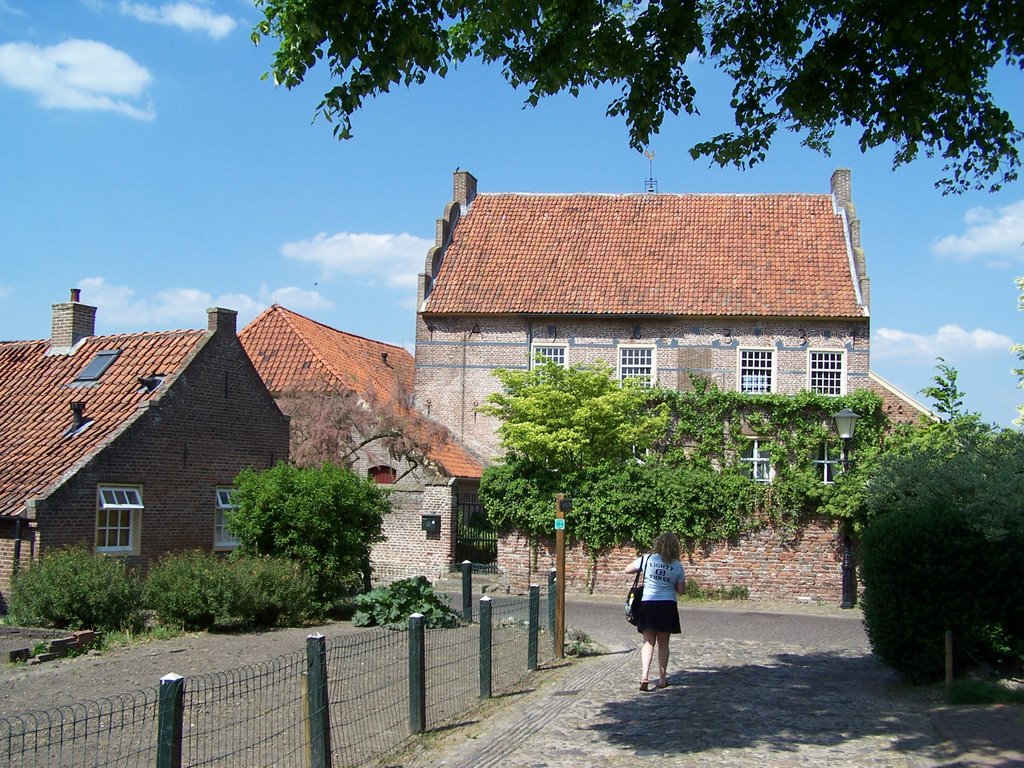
(926, 571)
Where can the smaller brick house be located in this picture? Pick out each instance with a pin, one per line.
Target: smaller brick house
(428, 472)
(127, 443)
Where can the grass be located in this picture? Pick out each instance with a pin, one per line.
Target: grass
(697, 593)
(973, 691)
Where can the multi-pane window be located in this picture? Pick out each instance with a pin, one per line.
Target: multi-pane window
(756, 371)
(826, 373)
(222, 537)
(117, 519)
(549, 353)
(637, 363)
(827, 462)
(757, 462)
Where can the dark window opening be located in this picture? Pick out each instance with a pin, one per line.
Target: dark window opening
(382, 475)
(97, 366)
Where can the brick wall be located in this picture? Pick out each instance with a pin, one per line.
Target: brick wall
(214, 420)
(456, 357)
(806, 569)
(408, 550)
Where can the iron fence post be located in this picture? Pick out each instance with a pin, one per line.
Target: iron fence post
(534, 627)
(169, 721)
(467, 591)
(485, 647)
(319, 710)
(417, 675)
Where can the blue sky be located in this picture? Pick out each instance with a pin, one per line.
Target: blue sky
(143, 160)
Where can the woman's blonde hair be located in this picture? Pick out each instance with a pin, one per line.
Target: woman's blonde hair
(667, 546)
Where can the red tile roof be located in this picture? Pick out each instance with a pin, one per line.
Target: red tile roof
(655, 254)
(291, 351)
(36, 393)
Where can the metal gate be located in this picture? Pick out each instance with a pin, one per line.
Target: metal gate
(476, 539)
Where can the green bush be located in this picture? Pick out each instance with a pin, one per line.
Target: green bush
(198, 590)
(926, 571)
(326, 519)
(392, 605)
(74, 588)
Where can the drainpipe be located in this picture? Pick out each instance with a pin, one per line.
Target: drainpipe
(19, 521)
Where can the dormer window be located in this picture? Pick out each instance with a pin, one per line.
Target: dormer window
(97, 367)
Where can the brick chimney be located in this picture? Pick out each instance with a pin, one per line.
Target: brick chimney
(464, 183)
(219, 320)
(841, 187)
(72, 322)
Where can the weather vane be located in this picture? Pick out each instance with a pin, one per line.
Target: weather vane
(651, 183)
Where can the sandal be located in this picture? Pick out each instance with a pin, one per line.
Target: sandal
(644, 686)
(663, 685)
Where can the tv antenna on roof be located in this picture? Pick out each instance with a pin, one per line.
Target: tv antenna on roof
(650, 183)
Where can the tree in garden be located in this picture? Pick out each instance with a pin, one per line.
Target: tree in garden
(326, 518)
(565, 419)
(913, 75)
(949, 400)
(333, 425)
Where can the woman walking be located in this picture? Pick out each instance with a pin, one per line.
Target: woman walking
(658, 615)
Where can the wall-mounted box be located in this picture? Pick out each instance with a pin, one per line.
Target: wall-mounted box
(431, 523)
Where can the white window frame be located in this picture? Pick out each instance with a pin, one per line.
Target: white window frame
(811, 371)
(648, 380)
(827, 463)
(540, 349)
(772, 378)
(222, 538)
(759, 462)
(124, 501)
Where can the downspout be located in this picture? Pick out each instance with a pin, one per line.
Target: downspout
(18, 523)
(462, 410)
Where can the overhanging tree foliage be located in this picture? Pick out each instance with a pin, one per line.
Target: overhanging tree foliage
(913, 74)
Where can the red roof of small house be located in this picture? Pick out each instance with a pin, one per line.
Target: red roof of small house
(36, 392)
(293, 352)
(782, 255)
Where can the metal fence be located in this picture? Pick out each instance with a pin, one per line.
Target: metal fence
(346, 702)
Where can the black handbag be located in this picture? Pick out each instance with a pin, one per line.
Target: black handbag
(636, 594)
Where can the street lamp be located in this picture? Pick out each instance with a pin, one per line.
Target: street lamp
(846, 422)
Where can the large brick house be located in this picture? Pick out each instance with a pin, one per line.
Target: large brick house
(127, 443)
(758, 293)
(431, 477)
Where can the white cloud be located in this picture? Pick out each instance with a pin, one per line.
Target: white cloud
(78, 75)
(395, 259)
(948, 342)
(189, 17)
(121, 309)
(6, 7)
(998, 232)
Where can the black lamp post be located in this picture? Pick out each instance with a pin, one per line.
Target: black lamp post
(846, 422)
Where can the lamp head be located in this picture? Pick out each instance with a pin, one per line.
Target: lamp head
(845, 421)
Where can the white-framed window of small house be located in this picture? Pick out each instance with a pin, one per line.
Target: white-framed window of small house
(756, 373)
(757, 462)
(827, 462)
(826, 372)
(118, 519)
(549, 353)
(222, 536)
(637, 362)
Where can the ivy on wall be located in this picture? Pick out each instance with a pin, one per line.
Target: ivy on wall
(690, 478)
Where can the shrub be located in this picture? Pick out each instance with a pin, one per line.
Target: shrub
(198, 590)
(928, 571)
(392, 605)
(325, 519)
(74, 588)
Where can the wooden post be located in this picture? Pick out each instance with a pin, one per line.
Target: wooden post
(318, 703)
(533, 628)
(169, 721)
(485, 647)
(561, 505)
(417, 675)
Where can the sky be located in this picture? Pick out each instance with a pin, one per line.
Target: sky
(144, 160)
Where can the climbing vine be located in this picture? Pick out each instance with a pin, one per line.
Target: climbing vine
(692, 478)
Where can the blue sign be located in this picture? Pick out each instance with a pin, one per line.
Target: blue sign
(559, 524)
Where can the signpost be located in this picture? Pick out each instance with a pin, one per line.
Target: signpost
(562, 505)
